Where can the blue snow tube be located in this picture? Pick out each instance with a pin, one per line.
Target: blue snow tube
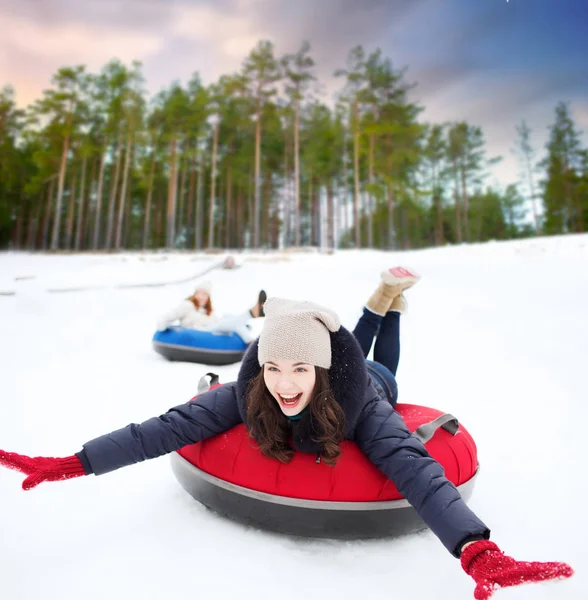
(195, 345)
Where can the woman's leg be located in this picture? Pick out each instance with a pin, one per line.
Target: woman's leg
(387, 349)
(373, 313)
(241, 324)
(366, 329)
(238, 324)
(375, 322)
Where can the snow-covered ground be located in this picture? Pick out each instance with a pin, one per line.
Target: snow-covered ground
(497, 334)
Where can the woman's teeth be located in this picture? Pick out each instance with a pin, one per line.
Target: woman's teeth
(290, 399)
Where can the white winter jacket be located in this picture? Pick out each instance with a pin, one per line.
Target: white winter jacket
(188, 316)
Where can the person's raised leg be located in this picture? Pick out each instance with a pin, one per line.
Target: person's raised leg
(240, 324)
(256, 310)
(387, 348)
(366, 329)
(374, 311)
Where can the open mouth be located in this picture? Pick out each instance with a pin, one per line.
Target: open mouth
(289, 400)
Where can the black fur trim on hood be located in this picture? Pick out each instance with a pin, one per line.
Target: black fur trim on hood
(348, 377)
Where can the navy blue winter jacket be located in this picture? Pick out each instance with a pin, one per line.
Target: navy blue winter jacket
(371, 422)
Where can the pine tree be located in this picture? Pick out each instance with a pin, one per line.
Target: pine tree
(435, 151)
(563, 208)
(11, 125)
(356, 77)
(65, 108)
(527, 156)
(261, 72)
(297, 70)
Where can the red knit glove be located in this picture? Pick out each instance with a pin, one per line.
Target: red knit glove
(491, 568)
(41, 469)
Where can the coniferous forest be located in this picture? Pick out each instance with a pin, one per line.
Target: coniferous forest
(258, 160)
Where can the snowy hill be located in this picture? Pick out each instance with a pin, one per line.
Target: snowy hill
(496, 334)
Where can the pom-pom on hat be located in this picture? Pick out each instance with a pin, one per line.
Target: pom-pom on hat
(298, 331)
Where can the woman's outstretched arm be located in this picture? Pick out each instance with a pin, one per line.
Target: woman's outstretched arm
(385, 439)
(388, 443)
(207, 415)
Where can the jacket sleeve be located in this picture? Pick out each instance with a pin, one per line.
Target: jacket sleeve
(177, 314)
(207, 415)
(385, 439)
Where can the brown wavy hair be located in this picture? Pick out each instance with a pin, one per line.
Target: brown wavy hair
(269, 427)
(207, 307)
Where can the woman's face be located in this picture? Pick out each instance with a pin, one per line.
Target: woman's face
(290, 383)
(201, 297)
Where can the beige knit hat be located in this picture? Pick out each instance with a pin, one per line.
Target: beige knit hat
(205, 286)
(297, 331)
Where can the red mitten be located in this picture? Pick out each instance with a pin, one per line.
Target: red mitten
(41, 469)
(491, 568)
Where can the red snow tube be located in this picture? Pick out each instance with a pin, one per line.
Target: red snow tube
(242, 483)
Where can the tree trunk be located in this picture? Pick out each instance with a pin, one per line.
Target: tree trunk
(228, 215)
(391, 225)
(315, 214)
(32, 227)
(257, 198)
(458, 237)
(312, 223)
(579, 211)
(48, 210)
(60, 184)
(356, 199)
(71, 209)
(212, 204)
(218, 224)
(126, 223)
(123, 191)
(330, 216)
(17, 233)
(417, 241)
(533, 197)
(191, 191)
(112, 199)
(78, 235)
(439, 237)
(250, 213)
(569, 221)
(172, 188)
(370, 194)
(267, 208)
(148, 201)
(438, 232)
(98, 213)
(158, 229)
(41, 219)
(405, 226)
(184, 162)
(87, 218)
(465, 203)
(344, 208)
(199, 202)
(288, 200)
(239, 229)
(275, 229)
(297, 174)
